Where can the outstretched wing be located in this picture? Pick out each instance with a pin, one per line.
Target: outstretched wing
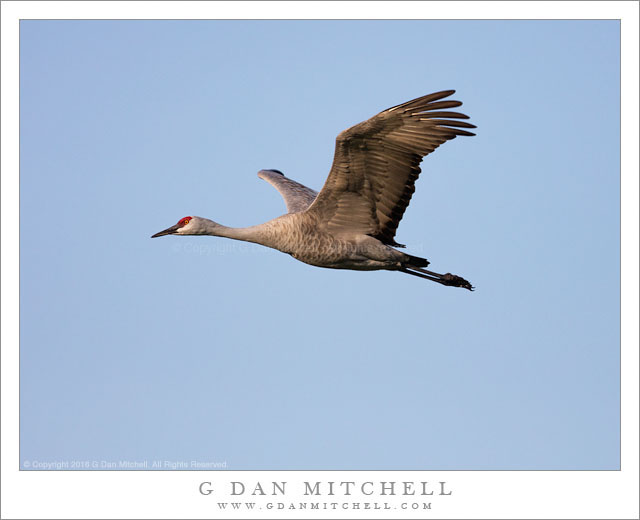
(376, 164)
(296, 196)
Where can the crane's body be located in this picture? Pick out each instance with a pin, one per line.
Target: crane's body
(302, 238)
(351, 222)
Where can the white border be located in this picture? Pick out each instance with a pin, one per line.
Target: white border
(476, 494)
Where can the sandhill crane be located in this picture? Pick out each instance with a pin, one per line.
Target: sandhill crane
(351, 223)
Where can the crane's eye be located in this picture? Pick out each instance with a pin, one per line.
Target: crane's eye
(184, 221)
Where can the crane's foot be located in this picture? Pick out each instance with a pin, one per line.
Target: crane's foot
(452, 280)
(456, 281)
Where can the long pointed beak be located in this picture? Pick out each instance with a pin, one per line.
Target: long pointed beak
(169, 231)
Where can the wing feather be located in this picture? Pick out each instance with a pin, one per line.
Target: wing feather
(376, 165)
(296, 196)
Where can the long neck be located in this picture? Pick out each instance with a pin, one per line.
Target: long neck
(258, 234)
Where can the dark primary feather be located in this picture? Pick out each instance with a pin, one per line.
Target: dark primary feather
(376, 164)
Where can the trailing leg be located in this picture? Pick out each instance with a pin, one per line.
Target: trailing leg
(449, 279)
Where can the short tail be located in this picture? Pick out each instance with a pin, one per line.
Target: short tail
(416, 261)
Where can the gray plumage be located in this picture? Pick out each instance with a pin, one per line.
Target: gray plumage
(351, 223)
(296, 196)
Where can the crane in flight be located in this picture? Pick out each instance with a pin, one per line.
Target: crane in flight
(351, 223)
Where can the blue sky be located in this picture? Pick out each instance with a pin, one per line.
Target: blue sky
(197, 348)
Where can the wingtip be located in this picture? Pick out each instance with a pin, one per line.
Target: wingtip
(266, 172)
(441, 94)
(434, 101)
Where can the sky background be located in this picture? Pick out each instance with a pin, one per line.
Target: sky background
(185, 349)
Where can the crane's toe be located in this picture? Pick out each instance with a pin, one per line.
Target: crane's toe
(456, 281)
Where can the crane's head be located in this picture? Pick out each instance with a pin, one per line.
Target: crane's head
(185, 226)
